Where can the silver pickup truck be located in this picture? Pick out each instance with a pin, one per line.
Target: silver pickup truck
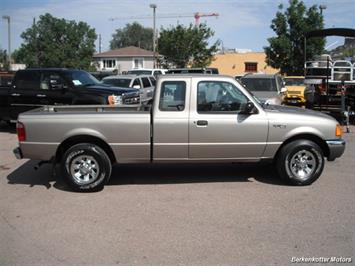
(193, 118)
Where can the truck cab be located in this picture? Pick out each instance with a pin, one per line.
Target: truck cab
(206, 119)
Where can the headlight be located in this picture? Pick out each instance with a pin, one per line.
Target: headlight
(114, 100)
(131, 98)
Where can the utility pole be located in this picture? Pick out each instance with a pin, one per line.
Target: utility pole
(99, 43)
(8, 37)
(154, 6)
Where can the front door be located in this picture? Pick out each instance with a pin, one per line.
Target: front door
(217, 130)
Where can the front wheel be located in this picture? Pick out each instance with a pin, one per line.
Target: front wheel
(86, 167)
(300, 162)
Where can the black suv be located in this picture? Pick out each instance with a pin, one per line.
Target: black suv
(31, 88)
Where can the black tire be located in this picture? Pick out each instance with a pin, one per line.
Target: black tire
(300, 162)
(86, 167)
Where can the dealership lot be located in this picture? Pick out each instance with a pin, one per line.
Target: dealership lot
(174, 214)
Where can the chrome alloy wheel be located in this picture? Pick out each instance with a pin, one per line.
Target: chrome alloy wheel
(84, 169)
(303, 164)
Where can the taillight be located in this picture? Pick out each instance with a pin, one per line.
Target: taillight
(21, 133)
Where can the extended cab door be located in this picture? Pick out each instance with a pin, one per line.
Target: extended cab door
(171, 121)
(217, 130)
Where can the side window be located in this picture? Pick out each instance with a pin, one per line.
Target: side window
(217, 96)
(172, 96)
(136, 83)
(27, 80)
(157, 72)
(146, 82)
(152, 80)
(51, 81)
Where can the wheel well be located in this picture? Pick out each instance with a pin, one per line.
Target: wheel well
(321, 143)
(66, 144)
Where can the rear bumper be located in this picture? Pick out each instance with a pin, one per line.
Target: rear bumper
(336, 148)
(18, 153)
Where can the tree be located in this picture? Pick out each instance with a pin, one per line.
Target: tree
(4, 62)
(183, 46)
(286, 50)
(133, 35)
(53, 42)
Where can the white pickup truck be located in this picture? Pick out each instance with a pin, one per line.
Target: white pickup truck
(193, 118)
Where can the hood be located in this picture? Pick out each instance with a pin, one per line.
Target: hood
(105, 89)
(277, 109)
(270, 97)
(265, 95)
(295, 88)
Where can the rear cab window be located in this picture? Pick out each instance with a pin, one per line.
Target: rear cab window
(172, 96)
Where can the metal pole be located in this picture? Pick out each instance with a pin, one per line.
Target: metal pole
(154, 6)
(9, 38)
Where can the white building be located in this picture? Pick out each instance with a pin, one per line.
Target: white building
(124, 59)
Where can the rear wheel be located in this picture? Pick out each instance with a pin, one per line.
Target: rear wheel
(86, 167)
(300, 162)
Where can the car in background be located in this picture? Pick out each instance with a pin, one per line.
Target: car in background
(145, 84)
(197, 70)
(147, 71)
(35, 87)
(295, 90)
(269, 88)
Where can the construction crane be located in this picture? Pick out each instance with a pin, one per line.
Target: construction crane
(196, 15)
(199, 15)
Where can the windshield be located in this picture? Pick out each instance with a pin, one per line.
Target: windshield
(294, 82)
(140, 72)
(118, 82)
(260, 84)
(81, 78)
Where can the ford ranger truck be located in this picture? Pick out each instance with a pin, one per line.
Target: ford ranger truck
(192, 118)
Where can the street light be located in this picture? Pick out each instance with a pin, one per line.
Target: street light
(322, 7)
(9, 37)
(154, 6)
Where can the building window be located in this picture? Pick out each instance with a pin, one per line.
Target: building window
(251, 67)
(137, 62)
(109, 63)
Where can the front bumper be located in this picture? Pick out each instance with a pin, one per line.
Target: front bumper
(336, 148)
(18, 153)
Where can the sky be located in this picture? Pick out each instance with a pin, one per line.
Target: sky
(242, 24)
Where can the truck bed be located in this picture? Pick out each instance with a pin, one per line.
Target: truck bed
(126, 129)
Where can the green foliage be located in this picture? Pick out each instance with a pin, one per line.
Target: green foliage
(286, 50)
(133, 35)
(53, 42)
(4, 62)
(182, 46)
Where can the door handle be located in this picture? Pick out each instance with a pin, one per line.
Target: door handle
(41, 95)
(15, 94)
(202, 122)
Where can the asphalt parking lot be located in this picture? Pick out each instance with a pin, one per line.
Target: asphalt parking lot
(174, 214)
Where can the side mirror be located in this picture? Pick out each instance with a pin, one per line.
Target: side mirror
(248, 108)
(136, 86)
(283, 90)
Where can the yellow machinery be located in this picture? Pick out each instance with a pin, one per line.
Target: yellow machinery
(295, 90)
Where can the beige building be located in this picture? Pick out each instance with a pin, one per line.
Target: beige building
(234, 64)
(124, 59)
